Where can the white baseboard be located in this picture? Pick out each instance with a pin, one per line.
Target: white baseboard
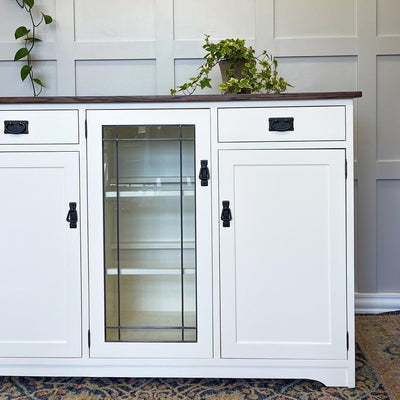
(374, 303)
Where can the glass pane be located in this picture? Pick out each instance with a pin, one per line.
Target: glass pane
(112, 335)
(189, 230)
(190, 335)
(149, 132)
(109, 132)
(151, 301)
(188, 132)
(110, 234)
(151, 335)
(150, 276)
(149, 166)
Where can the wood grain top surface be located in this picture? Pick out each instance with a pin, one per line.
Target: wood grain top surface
(179, 98)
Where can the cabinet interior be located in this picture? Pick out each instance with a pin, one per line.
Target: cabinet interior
(149, 238)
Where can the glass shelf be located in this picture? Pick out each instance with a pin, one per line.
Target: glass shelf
(151, 180)
(150, 271)
(154, 245)
(150, 193)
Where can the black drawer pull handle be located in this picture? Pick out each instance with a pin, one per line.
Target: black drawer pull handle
(16, 127)
(281, 124)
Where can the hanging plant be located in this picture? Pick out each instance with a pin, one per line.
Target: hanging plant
(30, 39)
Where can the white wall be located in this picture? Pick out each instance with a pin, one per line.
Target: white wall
(127, 47)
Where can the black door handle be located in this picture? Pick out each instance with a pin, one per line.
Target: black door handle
(72, 216)
(204, 173)
(226, 215)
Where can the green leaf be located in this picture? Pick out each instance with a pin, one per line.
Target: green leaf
(39, 82)
(172, 91)
(183, 87)
(47, 19)
(21, 31)
(25, 70)
(29, 3)
(205, 82)
(21, 53)
(31, 39)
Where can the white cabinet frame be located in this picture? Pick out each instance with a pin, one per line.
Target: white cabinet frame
(99, 346)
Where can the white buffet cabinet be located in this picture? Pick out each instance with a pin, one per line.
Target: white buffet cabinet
(205, 236)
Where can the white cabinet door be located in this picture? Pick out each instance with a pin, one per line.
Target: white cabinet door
(283, 264)
(40, 300)
(149, 234)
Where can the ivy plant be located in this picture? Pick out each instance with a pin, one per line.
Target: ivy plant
(30, 39)
(257, 74)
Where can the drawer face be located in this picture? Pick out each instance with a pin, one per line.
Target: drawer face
(39, 127)
(291, 124)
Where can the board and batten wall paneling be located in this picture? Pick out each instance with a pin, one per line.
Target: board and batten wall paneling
(388, 108)
(388, 145)
(329, 73)
(11, 84)
(149, 46)
(388, 233)
(12, 17)
(99, 77)
(388, 18)
(220, 19)
(315, 19)
(114, 21)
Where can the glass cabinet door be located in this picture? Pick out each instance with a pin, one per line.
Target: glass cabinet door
(149, 233)
(149, 236)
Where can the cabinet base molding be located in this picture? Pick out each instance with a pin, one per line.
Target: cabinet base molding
(375, 303)
(329, 376)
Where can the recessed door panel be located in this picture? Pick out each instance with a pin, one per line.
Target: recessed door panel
(40, 299)
(283, 292)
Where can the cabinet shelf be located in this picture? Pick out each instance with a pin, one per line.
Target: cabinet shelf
(171, 319)
(151, 187)
(149, 193)
(150, 271)
(128, 181)
(153, 245)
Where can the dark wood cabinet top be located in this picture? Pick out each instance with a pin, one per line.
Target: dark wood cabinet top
(179, 98)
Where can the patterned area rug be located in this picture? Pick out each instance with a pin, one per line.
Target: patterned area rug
(379, 339)
(367, 387)
(377, 378)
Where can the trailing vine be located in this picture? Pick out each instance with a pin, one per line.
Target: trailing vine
(30, 39)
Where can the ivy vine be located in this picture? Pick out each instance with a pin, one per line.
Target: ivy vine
(30, 39)
(245, 73)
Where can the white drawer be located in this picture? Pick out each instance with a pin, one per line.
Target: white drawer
(296, 124)
(39, 127)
